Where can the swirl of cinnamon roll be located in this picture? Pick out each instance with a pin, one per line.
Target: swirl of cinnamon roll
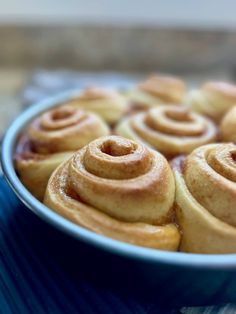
(172, 130)
(228, 126)
(157, 90)
(213, 99)
(118, 188)
(206, 199)
(49, 140)
(108, 104)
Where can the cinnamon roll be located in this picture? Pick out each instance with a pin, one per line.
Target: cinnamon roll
(213, 99)
(108, 104)
(228, 126)
(206, 199)
(118, 188)
(172, 130)
(49, 140)
(157, 90)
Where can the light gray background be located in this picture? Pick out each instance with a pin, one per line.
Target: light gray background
(179, 13)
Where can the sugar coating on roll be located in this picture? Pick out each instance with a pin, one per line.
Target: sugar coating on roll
(228, 126)
(110, 105)
(118, 188)
(206, 199)
(213, 99)
(157, 90)
(172, 130)
(49, 140)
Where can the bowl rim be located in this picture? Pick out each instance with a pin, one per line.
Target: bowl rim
(180, 259)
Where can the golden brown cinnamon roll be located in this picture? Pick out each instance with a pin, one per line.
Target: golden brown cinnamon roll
(213, 99)
(172, 130)
(118, 188)
(157, 90)
(228, 126)
(49, 140)
(108, 104)
(206, 199)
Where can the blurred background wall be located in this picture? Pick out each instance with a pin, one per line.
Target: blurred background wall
(172, 35)
(199, 14)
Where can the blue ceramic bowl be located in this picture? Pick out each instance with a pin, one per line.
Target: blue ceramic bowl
(176, 278)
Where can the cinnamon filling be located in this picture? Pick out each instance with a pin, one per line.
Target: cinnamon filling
(61, 114)
(233, 156)
(26, 150)
(116, 149)
(179, 116)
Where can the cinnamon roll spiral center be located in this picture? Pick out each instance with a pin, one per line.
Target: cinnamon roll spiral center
(175, 121)
(117, 159)
(138, 180)
(64, 129)
(222, 161)
(121, 148)
(60, 118)
(210, 174)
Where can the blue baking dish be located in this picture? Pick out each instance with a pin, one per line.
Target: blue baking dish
(174, 278)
